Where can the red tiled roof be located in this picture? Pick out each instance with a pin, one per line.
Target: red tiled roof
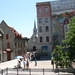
(15, 32)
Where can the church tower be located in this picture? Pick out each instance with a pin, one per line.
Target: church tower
(34, 30)
(33, 41)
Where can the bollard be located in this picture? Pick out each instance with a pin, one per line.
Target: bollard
(1, 72)
(7, 71)
(17, 71)
(29, 71)
(43, 71)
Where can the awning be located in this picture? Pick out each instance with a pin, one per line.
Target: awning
(4, 51)
(8, 50)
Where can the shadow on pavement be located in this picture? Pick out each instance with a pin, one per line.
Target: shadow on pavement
(45, 58)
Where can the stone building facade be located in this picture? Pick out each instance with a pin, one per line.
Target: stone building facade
(13, 42)
(44, 27)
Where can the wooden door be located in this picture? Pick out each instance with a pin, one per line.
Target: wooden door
(8, 56)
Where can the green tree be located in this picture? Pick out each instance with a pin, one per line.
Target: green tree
(70, 39)
(65, 55)
(60, 56)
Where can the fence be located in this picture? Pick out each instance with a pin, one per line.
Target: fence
(4, 71)
(11, 71)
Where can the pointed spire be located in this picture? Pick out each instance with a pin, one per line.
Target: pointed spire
(34, 24)
(34, 30)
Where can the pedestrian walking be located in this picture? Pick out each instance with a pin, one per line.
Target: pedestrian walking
(27, 64)
(24, 63)
(35, 62)
(35, 56)
(52, 62)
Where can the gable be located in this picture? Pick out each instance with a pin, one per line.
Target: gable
(6, 29)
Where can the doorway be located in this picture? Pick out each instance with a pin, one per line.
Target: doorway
(34, 48)
(8, 56)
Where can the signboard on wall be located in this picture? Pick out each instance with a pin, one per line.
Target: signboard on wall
(45, 48)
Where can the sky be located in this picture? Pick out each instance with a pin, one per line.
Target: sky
(19, 14)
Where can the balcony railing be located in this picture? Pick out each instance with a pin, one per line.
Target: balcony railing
(17, 71)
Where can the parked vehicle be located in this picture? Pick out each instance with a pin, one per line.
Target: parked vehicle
(19, 57)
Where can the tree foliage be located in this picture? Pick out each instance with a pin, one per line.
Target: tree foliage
(63, 55)
(70, 39)
(60, 56)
